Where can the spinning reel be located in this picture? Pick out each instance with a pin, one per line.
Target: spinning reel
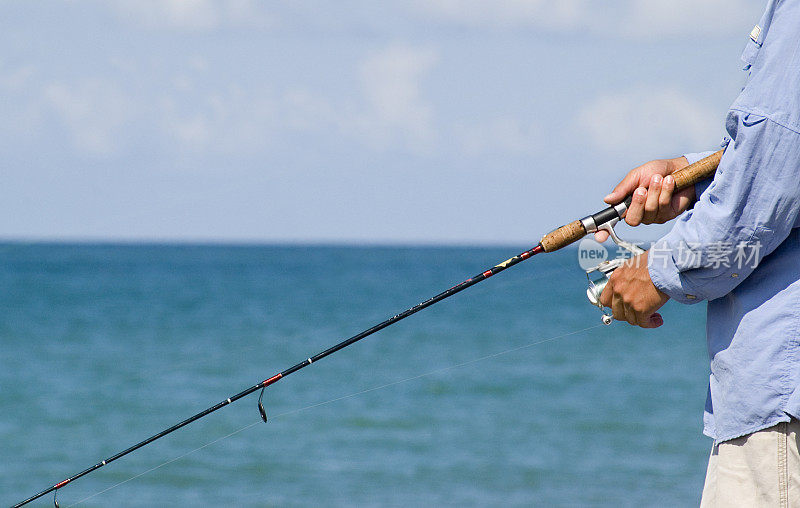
(598, 282)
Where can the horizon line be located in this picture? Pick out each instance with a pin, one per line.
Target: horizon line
(202, 242)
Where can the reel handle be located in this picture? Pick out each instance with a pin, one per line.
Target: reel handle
(574, 231)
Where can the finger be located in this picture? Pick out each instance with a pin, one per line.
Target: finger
(651, 201)
(656, 320)
(630, 315)
(682, 199)
(642, 319)
(650, 321)
(635, 212)
(607, 294)
(665, 209)
(623, 188)
(618, 308)
(601, 236)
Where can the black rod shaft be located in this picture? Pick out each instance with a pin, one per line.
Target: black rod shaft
(341, 345)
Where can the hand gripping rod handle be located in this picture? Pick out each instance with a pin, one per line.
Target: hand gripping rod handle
(576, 230)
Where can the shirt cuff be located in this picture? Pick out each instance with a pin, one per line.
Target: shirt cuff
(702, 185)
(666, 277)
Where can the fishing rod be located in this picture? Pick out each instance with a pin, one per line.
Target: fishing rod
(561, 237)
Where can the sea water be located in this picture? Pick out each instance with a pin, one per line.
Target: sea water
(510, 393)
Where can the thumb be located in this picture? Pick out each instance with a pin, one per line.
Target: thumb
(623, 188)
(655, 321)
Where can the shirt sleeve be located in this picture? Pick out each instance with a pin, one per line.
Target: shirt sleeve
(746, 212)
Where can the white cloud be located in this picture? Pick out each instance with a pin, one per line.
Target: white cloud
(624, 18)
(638, 19)
(231, 120)
(391, 84)
(190, 131)
(193, 15)
(654, 18)
(394, 113)
(507, 13)
(16, 79)
(102, 117)
(20, 114)
(189, 116)
(93, 111)
(649, 119)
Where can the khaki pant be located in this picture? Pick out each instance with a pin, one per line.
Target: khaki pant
(760, 469)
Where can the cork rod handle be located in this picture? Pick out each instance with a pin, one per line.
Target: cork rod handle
(563, 236)
(685, 177)
(697, 172)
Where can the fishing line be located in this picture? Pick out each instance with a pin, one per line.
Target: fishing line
(343, 397)
(166, 463)
(442, 369)
(242, 353)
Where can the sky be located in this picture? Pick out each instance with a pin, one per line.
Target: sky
(404, 122)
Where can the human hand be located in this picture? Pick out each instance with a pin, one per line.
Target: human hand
(632, 296)
(654, 198)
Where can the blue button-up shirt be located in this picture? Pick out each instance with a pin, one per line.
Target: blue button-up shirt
(739, 247)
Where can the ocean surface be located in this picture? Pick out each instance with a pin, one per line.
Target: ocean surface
(510, 393)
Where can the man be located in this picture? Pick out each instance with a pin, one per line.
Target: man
(751, 213)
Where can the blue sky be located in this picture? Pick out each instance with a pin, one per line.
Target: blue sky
(419, 121)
